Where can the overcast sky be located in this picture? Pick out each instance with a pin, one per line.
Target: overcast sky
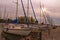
(53, 7)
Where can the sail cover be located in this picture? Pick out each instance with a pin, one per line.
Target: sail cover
(14, 21)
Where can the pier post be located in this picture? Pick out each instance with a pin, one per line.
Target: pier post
(1, 30)
(39, 35)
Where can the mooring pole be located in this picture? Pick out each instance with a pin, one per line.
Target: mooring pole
(39, 35)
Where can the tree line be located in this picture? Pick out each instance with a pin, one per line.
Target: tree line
(21, 20)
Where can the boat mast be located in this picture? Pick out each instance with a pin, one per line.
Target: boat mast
(27, 8)
(40, 12)
(0, 15)
(36, 21)
(16, 9)
(4, 12)
(24, 12)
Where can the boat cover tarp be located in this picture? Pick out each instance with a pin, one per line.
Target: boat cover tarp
(14, 21)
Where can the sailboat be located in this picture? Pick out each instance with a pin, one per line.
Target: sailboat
(18, 31)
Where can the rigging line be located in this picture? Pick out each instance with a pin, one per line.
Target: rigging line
(33, 10)
(24, 12)
(45, 18)
(49, 19)
(40, 11)
(44, 15)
